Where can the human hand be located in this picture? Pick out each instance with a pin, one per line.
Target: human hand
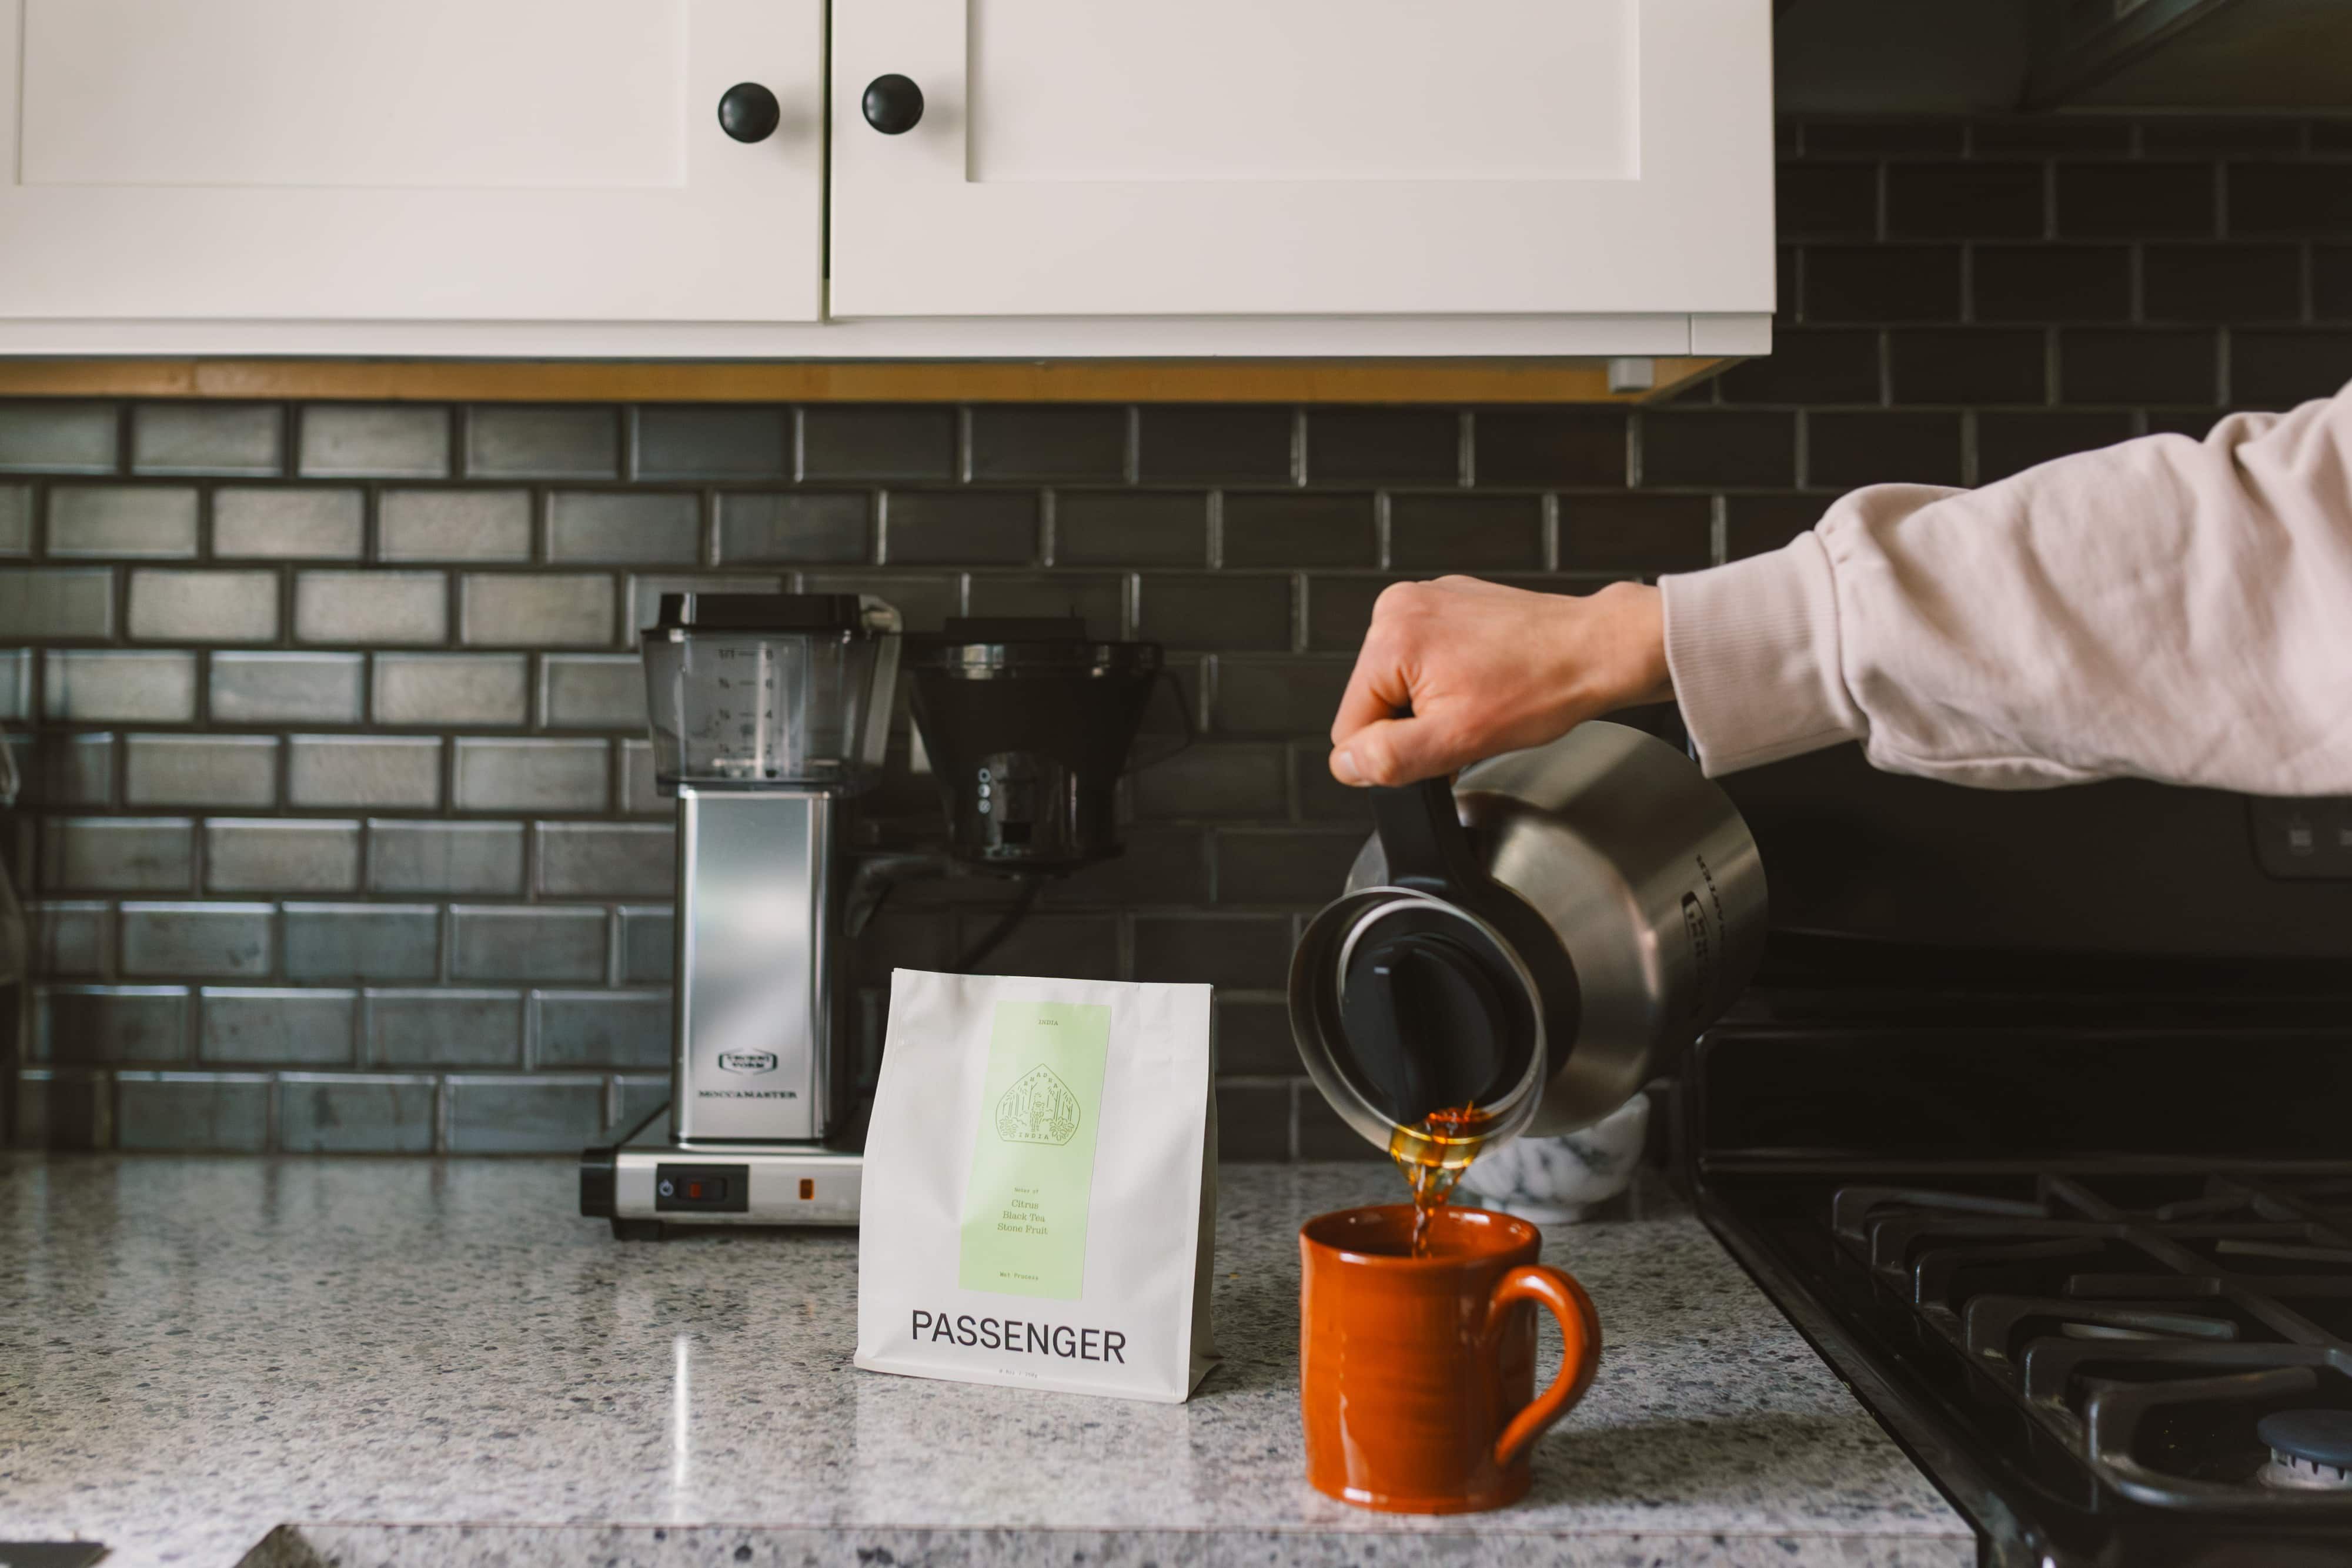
(1487, 669)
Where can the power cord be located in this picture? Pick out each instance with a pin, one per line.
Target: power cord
(1005, 926)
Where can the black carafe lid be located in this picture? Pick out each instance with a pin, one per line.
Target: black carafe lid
(1435, 1002)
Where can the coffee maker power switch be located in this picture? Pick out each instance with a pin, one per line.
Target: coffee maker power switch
(705, 1190)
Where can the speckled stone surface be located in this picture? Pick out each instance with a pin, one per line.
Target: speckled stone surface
(439, 1362)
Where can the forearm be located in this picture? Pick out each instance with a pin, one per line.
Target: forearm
(2164, 608)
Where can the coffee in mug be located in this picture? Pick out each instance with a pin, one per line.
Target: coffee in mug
(1416, 1367)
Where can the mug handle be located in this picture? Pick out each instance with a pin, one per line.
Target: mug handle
(1579, 1332)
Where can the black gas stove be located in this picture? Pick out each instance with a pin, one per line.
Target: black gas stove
(2074, 1221)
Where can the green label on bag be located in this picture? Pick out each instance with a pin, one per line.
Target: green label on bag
(1033, 1159)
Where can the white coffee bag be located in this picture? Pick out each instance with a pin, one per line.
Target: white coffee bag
(1038, 1207)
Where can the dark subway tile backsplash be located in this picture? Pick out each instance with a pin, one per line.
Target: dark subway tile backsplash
(2136, 201)
(856, 441)
(1688, 448)
(1966, 201)
(2279, 369)
(1905, 137)
(2291, 199)
(962, 528)
(1809, 366)
(1373, 445)
(1060, 441)
(1238, 445)
(2052, 133)
(1299, 529)
(2132, 365)
(696, 443)
(1828, 201)
(342, 836)
(1437, 532)
(1846, 282)
(2331, 282)
(1130, 527)
(2053, 283)
(1968, 365)
(2221, 134)
(2221, 283)
(1846, 451)
(1531, 448)
(2010, 441)
(1634, 534)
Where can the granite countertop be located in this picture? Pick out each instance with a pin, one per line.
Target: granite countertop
(292, 1363)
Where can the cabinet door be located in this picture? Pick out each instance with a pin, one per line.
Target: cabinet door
(1112, 157)
(408, 159)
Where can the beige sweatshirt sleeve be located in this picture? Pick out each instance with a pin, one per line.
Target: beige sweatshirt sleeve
(2166, 609)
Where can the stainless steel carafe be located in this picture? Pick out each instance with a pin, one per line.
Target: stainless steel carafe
(1536, 940)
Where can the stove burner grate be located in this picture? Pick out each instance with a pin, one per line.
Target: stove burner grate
(2193, 1352)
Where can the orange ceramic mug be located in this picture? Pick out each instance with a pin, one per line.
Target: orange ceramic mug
(1417, 1375)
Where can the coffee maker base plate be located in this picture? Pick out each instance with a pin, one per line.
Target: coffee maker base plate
(645, 1187)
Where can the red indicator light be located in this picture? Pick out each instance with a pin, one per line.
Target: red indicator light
(808, 1188)
(694, 1191)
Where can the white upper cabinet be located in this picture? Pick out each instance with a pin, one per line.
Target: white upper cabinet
(1084, 178)
(376, 160)
(1302, 157)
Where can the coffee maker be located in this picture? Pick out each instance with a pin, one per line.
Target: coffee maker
(769, 716)
(770, 712)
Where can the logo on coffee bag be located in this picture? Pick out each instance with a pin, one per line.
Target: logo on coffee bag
(1039, 1109)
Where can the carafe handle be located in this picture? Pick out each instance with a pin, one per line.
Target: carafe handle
(1428, 849)
(1421, 834)
(1580, 1333)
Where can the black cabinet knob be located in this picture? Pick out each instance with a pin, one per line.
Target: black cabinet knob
(750, 112)
(893, 105)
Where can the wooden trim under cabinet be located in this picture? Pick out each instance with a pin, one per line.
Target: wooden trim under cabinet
(989, 381)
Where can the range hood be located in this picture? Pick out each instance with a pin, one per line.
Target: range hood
(2194, 54)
